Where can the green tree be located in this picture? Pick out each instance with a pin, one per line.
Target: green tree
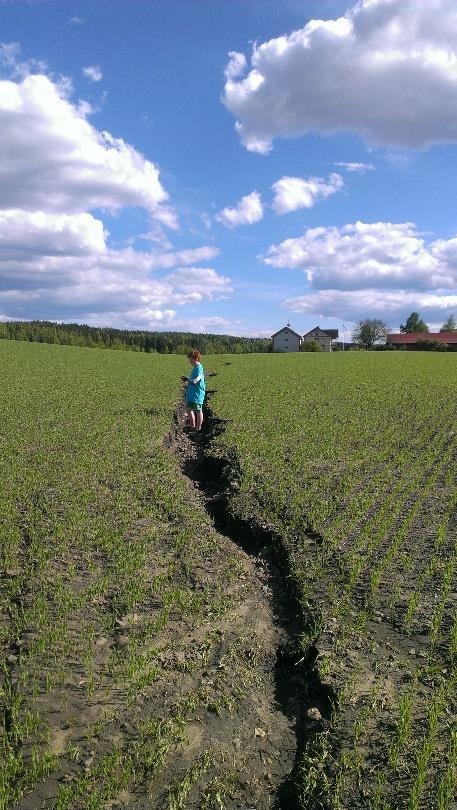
(369, 332)
(310, 346)
(449, 325)
(414, 323)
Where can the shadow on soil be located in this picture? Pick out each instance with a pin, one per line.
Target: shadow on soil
(297, 685)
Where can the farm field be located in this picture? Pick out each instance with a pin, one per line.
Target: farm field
(350, 462)
(137, 644)
(153, 658)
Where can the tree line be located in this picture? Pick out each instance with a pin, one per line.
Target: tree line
(371, 333)
(75, 334)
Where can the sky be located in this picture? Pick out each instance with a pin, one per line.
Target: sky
(228, 166)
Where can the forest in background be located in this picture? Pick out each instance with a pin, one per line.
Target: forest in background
(75, 334)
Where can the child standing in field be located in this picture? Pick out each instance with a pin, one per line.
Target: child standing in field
(195, 392)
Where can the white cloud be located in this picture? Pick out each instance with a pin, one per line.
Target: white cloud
(25, 234)
(218, 325)
(392, 307)
(236, 65)
(198, 283)
(59, 267)
(292, 193)
(56, 171)
(355, 167)
(93, 73)
(248, 211)
(163, 261)
(378, 269)
(13, 66)
(386, 70)
(54, 160)
(379, 254)
(214, 324)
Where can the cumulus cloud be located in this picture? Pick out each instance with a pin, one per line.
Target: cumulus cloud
(386, 70)
(54, 159)
(367, 269)
(59, 267)
(379, 254)
(93, 73)
(392, 307)
(248, 211)
(38, 233)
(292, 193)
(55, 259)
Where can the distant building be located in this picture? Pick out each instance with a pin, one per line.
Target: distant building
(324, 337)
(286, 340)
(412, 340)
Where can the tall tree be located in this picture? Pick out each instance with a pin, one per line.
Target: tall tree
(414, 323)
(449, 325)
(369, 332)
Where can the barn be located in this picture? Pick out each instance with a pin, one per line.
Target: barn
(412, 340)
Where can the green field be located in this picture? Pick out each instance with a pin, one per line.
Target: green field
(138, 643)
(351, 460)
(121, 644)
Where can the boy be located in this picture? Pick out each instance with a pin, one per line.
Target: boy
(195, 392)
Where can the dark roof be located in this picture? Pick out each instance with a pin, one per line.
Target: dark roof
(332, 333)
(286, 329)
(404, 338)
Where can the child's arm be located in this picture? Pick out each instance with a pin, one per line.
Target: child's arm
(196, 380)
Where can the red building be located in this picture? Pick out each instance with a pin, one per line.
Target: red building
(412, 340)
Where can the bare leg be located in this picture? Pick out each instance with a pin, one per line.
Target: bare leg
(191, 417)
(199, 419)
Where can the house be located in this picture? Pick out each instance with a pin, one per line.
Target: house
(324, 337)
(412, 340)
(286, 340)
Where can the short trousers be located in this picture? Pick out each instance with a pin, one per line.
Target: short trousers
(193, 406)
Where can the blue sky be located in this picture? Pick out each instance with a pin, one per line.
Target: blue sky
(228, 165)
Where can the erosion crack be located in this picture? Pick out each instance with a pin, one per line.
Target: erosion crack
(298, 692)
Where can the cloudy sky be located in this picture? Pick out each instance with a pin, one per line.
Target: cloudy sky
(228, 165)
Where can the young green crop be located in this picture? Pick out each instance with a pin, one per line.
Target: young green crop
(114, 586)
(355, 470)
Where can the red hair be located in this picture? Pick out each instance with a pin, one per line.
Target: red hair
(194, 355)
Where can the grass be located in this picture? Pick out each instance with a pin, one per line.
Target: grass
(108, 612)
(125, 669)
(351, 460)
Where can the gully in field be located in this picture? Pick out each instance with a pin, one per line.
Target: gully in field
(195, 391)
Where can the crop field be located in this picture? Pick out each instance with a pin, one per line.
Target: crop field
(140, 640)
(133, 673)
(351, 462)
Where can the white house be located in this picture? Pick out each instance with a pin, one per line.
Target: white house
(286, 340)
(324, 337)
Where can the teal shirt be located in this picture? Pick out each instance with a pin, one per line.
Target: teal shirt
(196, 391)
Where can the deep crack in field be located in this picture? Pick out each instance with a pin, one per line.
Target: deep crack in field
(294, 704)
